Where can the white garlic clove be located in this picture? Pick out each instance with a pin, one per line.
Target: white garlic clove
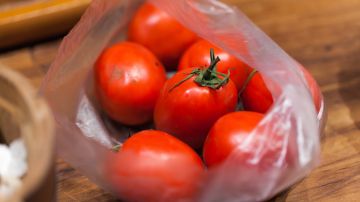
(17, 168)
(18, 149)
(5, 158)
(13, 166)
(8, 186)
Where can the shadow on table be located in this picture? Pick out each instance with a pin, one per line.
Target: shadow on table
(282, 196)
(349, 88)
(349, 79)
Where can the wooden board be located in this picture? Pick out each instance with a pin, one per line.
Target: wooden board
(28, 21)
(325, 37)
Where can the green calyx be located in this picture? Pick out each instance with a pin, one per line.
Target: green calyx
(208, 77)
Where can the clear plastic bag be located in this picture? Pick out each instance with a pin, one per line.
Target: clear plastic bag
(83, 138)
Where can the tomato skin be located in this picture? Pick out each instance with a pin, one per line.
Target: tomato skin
(188, 111)
(257, 97)
(161, 33)
(198, 56)
(128, 81)
(155, 166)
(227, 133)
(232, 145)
(233, 129)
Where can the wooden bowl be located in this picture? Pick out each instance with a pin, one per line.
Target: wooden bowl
(24, 114)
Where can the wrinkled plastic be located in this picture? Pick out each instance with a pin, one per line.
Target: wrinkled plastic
(83, 137)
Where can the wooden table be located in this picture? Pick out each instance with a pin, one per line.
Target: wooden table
(324, 36)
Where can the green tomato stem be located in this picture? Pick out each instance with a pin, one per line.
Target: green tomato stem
(208, 77)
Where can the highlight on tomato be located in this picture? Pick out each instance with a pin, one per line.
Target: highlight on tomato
(160, 33)
(192, 100)
(155, 166)
(128, 81)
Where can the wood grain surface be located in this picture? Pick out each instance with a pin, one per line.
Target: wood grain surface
(29, 21)
(324, 36)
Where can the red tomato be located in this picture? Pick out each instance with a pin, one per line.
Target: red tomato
(256, 96)
(154, 166)
(232, 130)
(227, 133)
(187, 108)
(161, 33)
(198, 56)
(128, 81)
(314, 88)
